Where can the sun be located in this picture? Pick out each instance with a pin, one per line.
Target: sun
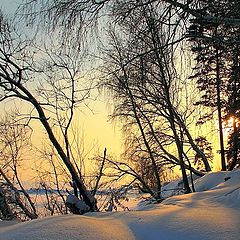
(230, 123)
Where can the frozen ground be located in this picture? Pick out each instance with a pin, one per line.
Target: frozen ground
(211, 213)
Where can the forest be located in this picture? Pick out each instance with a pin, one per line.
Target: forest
(170, 69)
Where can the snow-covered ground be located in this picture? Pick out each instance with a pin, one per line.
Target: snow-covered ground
(211, 213)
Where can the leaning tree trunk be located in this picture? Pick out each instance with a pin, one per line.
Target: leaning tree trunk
(27, 96)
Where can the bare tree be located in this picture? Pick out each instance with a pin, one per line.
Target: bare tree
(14, 143)
(148, 91)
(18, 68)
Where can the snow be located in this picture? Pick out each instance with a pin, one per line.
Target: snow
(76, 205)
(212, 213)
(67, 227)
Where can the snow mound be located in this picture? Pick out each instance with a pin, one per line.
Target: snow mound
(209, 181)
(210, 214)
(216, 188)
(72, 227)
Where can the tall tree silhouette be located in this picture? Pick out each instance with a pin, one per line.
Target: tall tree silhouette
(210, 44)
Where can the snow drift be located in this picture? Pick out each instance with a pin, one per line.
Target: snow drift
(210, 213)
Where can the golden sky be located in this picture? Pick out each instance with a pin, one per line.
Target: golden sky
(94, 125)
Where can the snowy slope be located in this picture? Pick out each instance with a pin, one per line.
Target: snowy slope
(211, 213)
(69, 227)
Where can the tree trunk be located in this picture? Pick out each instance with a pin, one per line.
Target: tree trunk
(154, 164)
(86, 195)
(219, 110)
(191, 141)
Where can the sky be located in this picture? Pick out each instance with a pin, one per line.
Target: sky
(94, 124)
